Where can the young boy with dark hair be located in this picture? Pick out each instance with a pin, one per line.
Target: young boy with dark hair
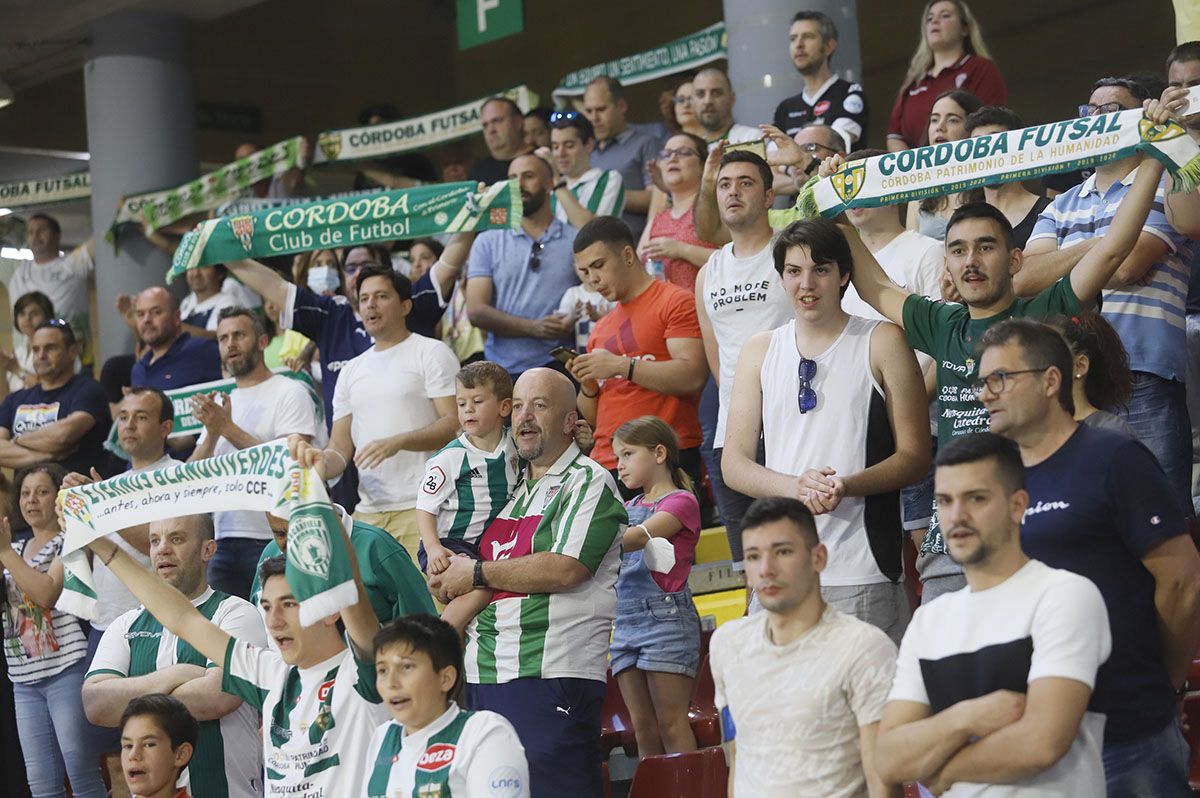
(158, 738)
(467, 483)
(431, 746)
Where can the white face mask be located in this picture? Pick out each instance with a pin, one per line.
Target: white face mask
(323, 278)
(659, 555)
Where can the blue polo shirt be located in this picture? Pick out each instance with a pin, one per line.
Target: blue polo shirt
(189, 361)
(1149, 316)
(628, 153)
(1097, 506)
(331, 322)
(518, 290)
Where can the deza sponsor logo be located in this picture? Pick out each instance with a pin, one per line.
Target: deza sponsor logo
(436, 757)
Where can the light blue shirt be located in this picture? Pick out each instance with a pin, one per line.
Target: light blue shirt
(520, 290)
(627, 154)
(1149, 315)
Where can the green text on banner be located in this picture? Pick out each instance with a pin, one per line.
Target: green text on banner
(389, 138)
(46, 190)
(160, 208)
(681, 55)
(261, 478)
(383, 216)
(1022, 154)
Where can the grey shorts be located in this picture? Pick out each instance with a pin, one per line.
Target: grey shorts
(883, 605)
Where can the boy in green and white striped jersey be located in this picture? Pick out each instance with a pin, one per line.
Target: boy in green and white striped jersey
(469, 481)
(431, 747)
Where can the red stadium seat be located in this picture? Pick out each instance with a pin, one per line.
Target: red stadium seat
(616, 728)
(698, 774)
(1190, 713)
(702, 715)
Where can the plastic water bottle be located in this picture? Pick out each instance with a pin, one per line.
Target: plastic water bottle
(655, 268)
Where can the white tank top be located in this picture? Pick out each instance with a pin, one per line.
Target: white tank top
(848, 431)
(743, 296)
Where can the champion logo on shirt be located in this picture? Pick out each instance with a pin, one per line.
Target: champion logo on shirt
(1045, 507)
(436, 757)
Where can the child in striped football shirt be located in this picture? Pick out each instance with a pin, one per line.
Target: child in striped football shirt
(469, 481)
(431, 747)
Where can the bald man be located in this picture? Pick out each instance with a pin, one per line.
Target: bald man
(516, 278)
(173, 358)
(538, 654)
(712, 102)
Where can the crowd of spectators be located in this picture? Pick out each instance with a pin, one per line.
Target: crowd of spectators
(986, 398)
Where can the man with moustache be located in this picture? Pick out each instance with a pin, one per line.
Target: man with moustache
(538, 654)
(137, 657)
(263, 407)
(516, 278)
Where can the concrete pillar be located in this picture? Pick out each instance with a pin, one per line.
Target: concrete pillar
(759, 67)
(142, 137)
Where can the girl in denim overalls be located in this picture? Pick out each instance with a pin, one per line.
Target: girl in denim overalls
(656, 638)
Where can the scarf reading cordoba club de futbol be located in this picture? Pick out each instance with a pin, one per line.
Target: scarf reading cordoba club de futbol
(1001, 158)
(263, 478)
(350, 222)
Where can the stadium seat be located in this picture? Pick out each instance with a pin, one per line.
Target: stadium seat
(698, 774)
(607, 780)
(616, 728)
(1190, 715)
(702, 714)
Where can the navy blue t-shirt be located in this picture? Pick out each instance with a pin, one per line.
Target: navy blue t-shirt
(33, 408)
(189, 361)
(1097, 506)
(333, 325)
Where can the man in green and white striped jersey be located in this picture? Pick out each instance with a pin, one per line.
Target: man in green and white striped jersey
(538, 653)
(581, 191)
(137, 657)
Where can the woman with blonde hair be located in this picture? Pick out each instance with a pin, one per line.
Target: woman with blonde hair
(951, 54)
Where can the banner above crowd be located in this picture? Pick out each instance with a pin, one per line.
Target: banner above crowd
(383, 216)
(1023, 154)
(262, 478)
(157, 209)
(46, 190)
(681, 55)
(390, 138)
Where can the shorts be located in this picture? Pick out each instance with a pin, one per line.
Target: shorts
(660, 634)
(400, 524)
(917, 500)
(456, 545)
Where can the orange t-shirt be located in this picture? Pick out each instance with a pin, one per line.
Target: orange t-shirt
(640, 329)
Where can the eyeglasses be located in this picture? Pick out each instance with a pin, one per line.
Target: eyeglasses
(535, 256)
(812, 147)
(1091, 109)
(667, 154)
(997, 381)
(807, 397)
(555, 116)
(354, 266)
(55, 323)
(681, 100)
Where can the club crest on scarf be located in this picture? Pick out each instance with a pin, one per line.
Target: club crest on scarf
(243, 229)
(850, 180)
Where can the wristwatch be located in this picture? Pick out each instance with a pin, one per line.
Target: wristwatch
(479, 581)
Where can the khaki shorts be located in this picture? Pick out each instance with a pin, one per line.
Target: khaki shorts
(400, 524)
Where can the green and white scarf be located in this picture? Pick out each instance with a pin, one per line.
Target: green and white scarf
(262, 478)
(680, 55)
(1000, 158)
(186, 423)
(46, 190)
(160, 208)
(405, 135)
(381, 216)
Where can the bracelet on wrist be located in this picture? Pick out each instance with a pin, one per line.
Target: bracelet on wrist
(588, 395)
(629, 376)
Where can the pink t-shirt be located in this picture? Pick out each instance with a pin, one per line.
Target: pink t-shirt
(683, 505)
(677, 270)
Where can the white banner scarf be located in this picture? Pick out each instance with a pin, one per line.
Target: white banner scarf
(46, 190)
(262, 478)
(418, 132)
(1001, 158)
